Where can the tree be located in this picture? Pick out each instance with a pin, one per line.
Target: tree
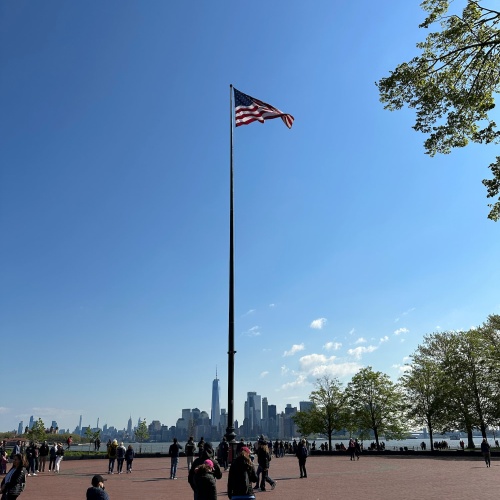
(424, 396)
(328, 409)
(376, 404)
(469, 383)
(92, 435)
(141, 433)
(452, 83)
(37, 432)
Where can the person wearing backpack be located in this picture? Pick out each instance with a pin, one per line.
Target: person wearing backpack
(301, 454)
(190, 449)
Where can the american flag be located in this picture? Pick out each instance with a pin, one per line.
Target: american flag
(248, 109)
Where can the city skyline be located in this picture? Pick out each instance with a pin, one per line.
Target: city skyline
(350, 243)
(259, 412)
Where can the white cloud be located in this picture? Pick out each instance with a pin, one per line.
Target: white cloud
(359, 351)
(319, 365)
(402, 368)
(284, 370)
(295, 349)
(399, 331)
(264, 374)
(318, 324)
(352, 331)
(361, 340)
(252, 332)
(332, 346)
(300, 381)
(272, 305)
(3, 410)
(385, 338)
(404, 314)
(250, 311)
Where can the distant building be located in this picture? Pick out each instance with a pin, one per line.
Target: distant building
(20, 427)
(305, 406)
(215, 410)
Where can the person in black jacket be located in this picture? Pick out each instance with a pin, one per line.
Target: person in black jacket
(263, 459)
(241, 475)
(207, 454)
(174, 452)
(190, 449)
(301, 454)
(14, 482)
(129, 458)
(204, 481)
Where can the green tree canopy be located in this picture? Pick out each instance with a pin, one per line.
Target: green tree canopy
(452, 83)
(37, 432)
(424, 397)
(469, 381)
(141, 433)
(328, 409)
(376, 404)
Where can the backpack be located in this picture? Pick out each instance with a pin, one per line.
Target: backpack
(303, 452)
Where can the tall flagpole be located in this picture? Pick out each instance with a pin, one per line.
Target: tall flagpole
(230, 434)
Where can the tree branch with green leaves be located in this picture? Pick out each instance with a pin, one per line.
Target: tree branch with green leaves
(452, 83)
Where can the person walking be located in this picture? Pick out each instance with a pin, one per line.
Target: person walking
(301, 454)
(190, 449)
(241, 475)
(52, 457)
(120, 457)
(357, 449)
(112, 456)
(96, 491)
(264, 459)
(59, 457)
(224, 453)
(30, 456)
(14, 482)
(129, 458)
(174, 452)
(352, 449)
(485, 450)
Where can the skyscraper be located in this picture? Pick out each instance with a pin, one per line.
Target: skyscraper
(215, 416)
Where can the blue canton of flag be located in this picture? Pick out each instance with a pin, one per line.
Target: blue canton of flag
(247, 109)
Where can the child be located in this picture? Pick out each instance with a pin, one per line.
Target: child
(205, 481)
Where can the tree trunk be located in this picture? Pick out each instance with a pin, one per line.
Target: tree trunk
(470, 439)
(330, 440)
(376, 438)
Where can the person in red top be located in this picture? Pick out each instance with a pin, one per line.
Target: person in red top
(69, 441)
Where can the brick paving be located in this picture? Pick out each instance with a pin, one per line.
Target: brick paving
(329, 477)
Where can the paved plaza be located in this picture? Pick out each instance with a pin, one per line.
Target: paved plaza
(329, 477)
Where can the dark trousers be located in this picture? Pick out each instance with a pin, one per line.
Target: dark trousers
(264, 478)
(302, 467)
(52, 463)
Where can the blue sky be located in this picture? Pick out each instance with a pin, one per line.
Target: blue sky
(350, 243)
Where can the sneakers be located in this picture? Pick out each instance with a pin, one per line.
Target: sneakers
(35, 474)
(273, 486)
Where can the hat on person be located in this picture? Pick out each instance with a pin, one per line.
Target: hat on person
(209, 463)
(246, 449)
(97, 479)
